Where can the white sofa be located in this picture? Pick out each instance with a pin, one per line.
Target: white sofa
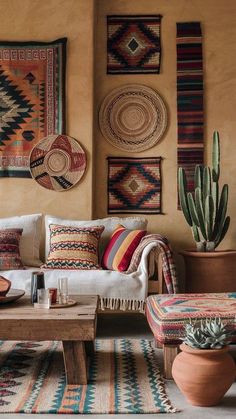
(116, 290)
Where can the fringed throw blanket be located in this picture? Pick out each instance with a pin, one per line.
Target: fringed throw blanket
(168, 264)
(117, 290)
(123, 304)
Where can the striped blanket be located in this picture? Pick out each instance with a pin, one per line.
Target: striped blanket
(168, 265)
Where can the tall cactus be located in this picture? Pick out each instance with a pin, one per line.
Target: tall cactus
(205, 209)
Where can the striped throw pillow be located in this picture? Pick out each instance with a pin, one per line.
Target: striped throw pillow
(119, 251)
(9, 249)
(73, 247)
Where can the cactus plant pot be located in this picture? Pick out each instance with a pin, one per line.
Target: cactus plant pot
(203, 375)
(210, 271)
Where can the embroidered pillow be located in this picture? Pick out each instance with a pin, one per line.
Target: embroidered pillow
(9, 249)
(110, 223)
(30, 240)
(119, 251)
(73, 247)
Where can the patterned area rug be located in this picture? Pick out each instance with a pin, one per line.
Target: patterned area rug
(134, 185)
(32, 379)
(133, 44)
(32, 93)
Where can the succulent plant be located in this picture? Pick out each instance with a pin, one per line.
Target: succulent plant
(205, 209)
(207, 334)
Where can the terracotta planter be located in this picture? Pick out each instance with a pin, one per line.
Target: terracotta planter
(203, 375)
(210, 271)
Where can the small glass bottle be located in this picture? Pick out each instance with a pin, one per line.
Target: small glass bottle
(37, 282)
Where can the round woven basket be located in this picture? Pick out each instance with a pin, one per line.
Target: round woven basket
(57, 162)
(133, 117)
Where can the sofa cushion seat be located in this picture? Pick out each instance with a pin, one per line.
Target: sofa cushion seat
(117, 290)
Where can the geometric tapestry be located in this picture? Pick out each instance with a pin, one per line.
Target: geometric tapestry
(134, 185)
(32, 96)
(133, 44)
(190, 98)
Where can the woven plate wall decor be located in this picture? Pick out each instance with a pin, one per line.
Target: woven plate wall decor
(57, 162)
(133, 117)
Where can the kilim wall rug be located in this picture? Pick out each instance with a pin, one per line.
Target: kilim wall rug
(190, 98)
(133, 44)
(134, 185)
(32, 380)
(32, 96)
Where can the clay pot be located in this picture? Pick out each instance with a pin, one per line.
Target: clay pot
(209, 271)
(203, 375)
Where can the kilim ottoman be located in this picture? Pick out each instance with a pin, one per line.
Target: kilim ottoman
(168, 313)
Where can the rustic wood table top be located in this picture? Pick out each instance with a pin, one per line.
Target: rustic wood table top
(21, 321)
(86, 306)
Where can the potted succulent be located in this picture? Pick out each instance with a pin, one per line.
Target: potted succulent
(205, 210)
(204, 370)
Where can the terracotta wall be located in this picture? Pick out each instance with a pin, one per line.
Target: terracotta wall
(219, 31)
(51, 19)
(45, 21)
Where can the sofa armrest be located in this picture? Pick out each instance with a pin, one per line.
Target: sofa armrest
(156, 283)
(147, 256)
(153, 260)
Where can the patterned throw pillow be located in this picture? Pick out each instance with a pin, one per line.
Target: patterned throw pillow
(73, 247)
(119, 251)
(9, 249)
(30, 240)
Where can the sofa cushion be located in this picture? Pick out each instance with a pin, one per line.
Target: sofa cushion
(73, 247)
(119, 251)
(110, 223)
(30, 240)
(9, 249)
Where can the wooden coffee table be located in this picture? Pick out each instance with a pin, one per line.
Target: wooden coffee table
(74, 326)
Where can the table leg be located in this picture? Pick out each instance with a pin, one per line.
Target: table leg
(170, 352)
(89, 347)
(75, 362)
(157, 344)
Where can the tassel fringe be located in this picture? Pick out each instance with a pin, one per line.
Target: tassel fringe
(122, 304)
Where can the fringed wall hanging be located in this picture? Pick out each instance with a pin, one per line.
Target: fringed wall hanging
(32, 78)
(190, 98)
(134, 185)
(133, 44)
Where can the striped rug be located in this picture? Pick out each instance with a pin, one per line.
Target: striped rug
(123, 378)
(189, 98)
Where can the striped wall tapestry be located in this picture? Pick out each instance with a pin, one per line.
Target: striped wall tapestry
(190, 98)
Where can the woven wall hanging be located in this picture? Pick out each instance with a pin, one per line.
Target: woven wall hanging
(57, 162)
(133, 44)
(32, 94)
(134, 185)
(133, 117)
(190, 98)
